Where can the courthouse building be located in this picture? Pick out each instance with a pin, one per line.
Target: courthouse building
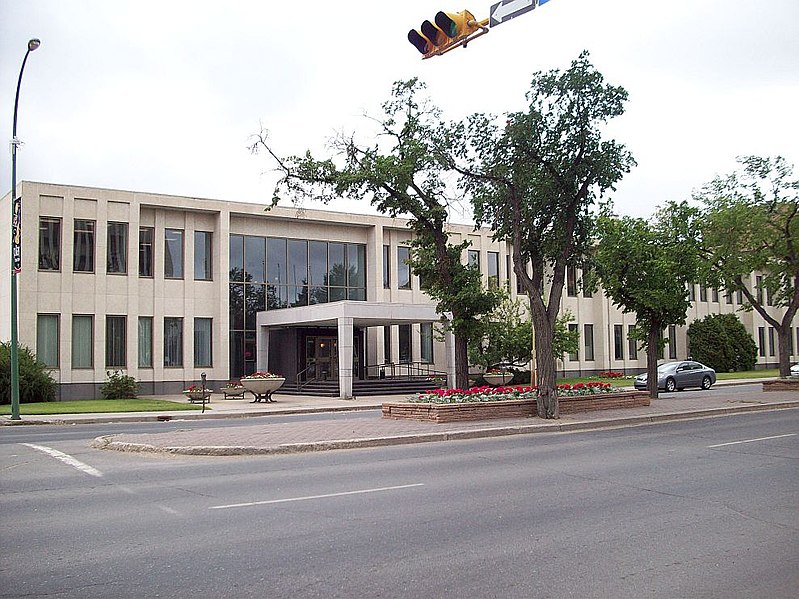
(166, 288)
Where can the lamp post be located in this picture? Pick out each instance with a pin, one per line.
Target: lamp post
(16, 239)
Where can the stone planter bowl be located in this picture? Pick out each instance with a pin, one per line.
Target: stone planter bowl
(496, 380)
(262, 386)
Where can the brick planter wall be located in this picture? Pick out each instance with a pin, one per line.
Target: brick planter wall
(515, 408)
(781, 385)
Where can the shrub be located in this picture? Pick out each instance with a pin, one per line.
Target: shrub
(35, 382)
(119, 386)
(722, 342)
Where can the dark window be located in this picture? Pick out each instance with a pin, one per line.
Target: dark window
(426, 334)
(146, 235)
(473, 259)
(771, 345)
(202, 256)
(672, 342)
(82, 341)
(404, 343)
(387, 344)
(403, 269)
(571, 281)
(588, 338)
(236, 264)
(574, 357)
(117, 254)
(386, 267)
(702, 292)
(761, 341)
(47, 339)
(255, 259)
(632, 344)
(49, 244)
(202, 343)
(145, 342)
(173, 254)
(691, 292)
(115, 341)
(83, 247)
(173, 342)
(493, 269)
(618, 342)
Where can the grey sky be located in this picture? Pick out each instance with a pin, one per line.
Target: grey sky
(163, 96)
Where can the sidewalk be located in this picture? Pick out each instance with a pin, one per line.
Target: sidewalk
(265, 437)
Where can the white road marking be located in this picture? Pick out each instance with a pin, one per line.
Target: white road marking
(751, 440)
(67, 459)
(290, 499)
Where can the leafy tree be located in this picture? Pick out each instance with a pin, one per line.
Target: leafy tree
(722, 342)
(644, 267)
(402, 175)
(35, 382)
(752, 226)
(534, 180)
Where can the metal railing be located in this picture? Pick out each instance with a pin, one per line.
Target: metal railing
(403, 370)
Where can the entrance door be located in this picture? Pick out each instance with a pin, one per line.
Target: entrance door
(321, 358)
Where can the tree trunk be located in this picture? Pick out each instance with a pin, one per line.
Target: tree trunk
(461, 362)
(652, 346)
(784, 348)
(547, 402)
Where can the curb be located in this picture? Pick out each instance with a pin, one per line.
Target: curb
(107, 442)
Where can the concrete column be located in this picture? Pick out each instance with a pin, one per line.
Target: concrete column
(262, 351)
(449, 341)
(345, 331)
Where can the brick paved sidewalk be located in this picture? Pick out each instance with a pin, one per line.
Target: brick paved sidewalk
(264, 437)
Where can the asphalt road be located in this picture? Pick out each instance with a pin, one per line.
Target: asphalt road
(702, 508)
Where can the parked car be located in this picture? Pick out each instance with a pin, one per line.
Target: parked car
(795, 369)
(676, 376)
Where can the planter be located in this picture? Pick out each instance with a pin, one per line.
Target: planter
(791, 384)
(496, 380)
(514, 408)
(233, 392)
(198, 395)
(261, 387)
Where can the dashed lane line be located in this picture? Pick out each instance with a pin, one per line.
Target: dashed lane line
(67, 459)
(751, 440)
(308, 497)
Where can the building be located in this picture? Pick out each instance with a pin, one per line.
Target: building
(167, 288)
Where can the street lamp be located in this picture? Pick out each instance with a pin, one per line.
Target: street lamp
(16, 239)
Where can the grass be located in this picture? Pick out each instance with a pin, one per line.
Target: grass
(98, 406)
(771, 373)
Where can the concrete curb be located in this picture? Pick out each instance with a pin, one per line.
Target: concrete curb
(107, 442)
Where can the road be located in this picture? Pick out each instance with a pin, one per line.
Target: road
(697, 508)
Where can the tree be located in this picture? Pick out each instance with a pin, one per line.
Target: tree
(644, 268)
(751, 225)
(722, 342)
(534, 181)
(402, 175)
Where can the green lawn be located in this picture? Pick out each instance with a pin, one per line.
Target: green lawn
(94, 406)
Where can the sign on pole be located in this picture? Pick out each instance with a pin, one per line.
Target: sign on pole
(504, 11)
(16, 236)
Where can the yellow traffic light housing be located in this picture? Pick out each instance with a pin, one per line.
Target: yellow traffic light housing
(446, 32)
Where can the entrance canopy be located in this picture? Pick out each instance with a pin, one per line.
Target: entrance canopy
(345, 316)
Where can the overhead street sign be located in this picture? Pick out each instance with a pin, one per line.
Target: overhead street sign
(504, 11)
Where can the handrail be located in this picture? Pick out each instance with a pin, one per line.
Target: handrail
(398, 370)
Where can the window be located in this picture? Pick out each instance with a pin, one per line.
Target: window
(739, 296)
(618, 342)
(426, 334)
(632, 344)
(493, 270)
(473, 258)
(576, 355)
(672, 342)
(702, 292)
(47, 339)
(586, 275)
(115, 342)
(771, 347)
(83, 246)
(508, 270)
(145, 342)
(202, 256)
(691, 292)
(714, 295)
(173, 342)
(49, 244)
(386, 267)
(146, 235)
(202, 343)
(117, 251)
(82, 341)
(403, 268)
(173, 254)
(404, 343)
(317, 270)
(588, 339)
(571, 281)
(728, 297)
(759, 289)
(761, 341)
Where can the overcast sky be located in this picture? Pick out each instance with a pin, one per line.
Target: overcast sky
(164, 96)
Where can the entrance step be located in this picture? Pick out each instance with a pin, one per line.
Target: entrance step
(363, 388)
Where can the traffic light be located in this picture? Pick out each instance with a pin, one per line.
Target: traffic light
(445, 32)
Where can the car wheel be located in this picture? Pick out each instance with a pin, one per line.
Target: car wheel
(671, 385)
(706, 382)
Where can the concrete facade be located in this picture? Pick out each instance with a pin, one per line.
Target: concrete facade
(55, 296)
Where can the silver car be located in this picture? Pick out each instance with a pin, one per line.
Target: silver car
(676, 376)
(795, 370)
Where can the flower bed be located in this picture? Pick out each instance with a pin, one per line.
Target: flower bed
(483, 403)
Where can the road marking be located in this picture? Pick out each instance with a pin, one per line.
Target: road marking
(751, 440)
(290, 499)
(67, 459)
